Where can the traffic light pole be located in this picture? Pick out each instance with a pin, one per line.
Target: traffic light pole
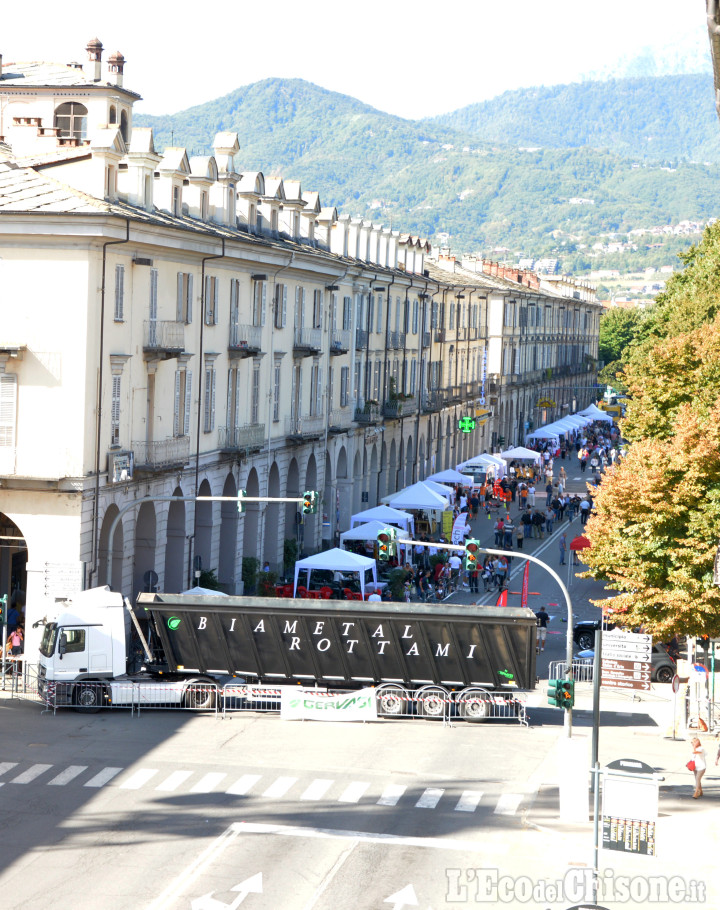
(566, 594)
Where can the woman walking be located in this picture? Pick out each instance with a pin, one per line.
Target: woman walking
(698, 766)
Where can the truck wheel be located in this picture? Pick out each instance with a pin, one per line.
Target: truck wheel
(474, 705)
(200, 695)
(391, 700)
(432, 701)
(89, 697)
(586, 640)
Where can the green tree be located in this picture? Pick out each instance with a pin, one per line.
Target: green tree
(619, 328)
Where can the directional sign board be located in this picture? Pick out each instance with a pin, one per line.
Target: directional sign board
(630, 807)
(625, 660)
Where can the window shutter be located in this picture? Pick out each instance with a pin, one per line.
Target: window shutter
(176, 411)
(180, 315)
(188, 401)
(212, 402)
(208, 399)
(8, 408)
(228, 404)
(237, 398)
(284, 306)
(300, 398)
(319, 407)
(119, 291)
(302, 308)
(216, 288)
(153, 294)
(189, 297)
(115, 410)
(331, 378)
(264, 301)
(207, 301)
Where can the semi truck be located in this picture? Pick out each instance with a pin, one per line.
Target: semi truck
(185, 649)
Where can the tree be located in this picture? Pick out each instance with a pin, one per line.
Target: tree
(619, 328)
(656, 527)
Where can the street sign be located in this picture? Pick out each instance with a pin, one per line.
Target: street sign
(625, 660)
(630, 807)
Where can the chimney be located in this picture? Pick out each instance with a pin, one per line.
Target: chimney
(116, 63)
(94, 50)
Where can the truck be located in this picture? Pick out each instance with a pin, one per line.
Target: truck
(185, 649)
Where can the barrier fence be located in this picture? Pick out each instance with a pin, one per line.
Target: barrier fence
(393, 701)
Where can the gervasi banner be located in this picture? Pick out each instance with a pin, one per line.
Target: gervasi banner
(309, 704)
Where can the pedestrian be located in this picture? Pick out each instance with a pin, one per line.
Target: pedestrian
(499, 529)
(697, 765)
(583, 456)
(594, 464)
(562, 544)
(538, 524)
(266, 566)
(584, 511)
(474, 504)
(548, 493)
(508, 531)
(501, 570)
(520, 534)
(455, 563)
(542, 620)
(563, 476)
(531, 495)
(474, 577)
(549, 517)
(16, 641)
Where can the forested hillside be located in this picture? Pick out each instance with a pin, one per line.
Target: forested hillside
(429, 178)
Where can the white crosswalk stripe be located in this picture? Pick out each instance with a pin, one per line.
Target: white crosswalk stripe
(173, 781)
(6, 766)
(67, 775)
(138, 779)
(243, 784)
(508, 803)
(430, 798)
(391, 795)
(279, 787)
(469, 800)
(353, 792)
(317, 789)
(27, 776)
(207, 783)
(103, 777)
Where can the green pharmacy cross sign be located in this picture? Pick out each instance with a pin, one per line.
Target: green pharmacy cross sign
(466, 424)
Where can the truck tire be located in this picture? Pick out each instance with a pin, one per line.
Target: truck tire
(200, 695)
(432, 701)
(474, 705)
(89, 697)
(392, 700)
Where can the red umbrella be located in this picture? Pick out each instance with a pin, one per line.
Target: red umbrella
(580, 543)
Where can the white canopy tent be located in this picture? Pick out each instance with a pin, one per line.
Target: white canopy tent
(548, 432)
(565, 425)
(336, 560)
(440, 488)
(387, 516)
(595, 413)
(483, 462)
(448, 476)
(520, 453)
(368, 531)
(418, 496)
(579, 420)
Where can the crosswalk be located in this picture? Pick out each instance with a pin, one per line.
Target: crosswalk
(265, 786)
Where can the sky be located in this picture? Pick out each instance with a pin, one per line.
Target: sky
(413, 58)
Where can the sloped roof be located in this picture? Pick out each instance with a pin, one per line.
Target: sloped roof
(24, 190)
(37, 73)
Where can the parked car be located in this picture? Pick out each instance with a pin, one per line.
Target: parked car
(584, 632)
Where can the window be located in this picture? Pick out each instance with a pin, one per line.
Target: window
(397, 314)
(331, 387)
(71, 120)
(204, 205)
(124, 125)
(333, 311)
(153, 305)
(317, 309)
(8, 409)
(255, 392)
(299, 309)
(371, 312)
(376, 383)
(347, 313)
(210, 375)
(434, 315)
(176, 201)
(415, 317)
(276, 390)
(184, 297)
(72, 640)
(452, 316)
(280, 306)
(181, 411)
(112, 117)
(211, 300)
(413, 376)
(315, 390)
(406, 317)
(234, 310)
(259, 300)
(344, 379)
(119, 292)
(358, 380)
(233, 398)
(380, 326)
(115, 412)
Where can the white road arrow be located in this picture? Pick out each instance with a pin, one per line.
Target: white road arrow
(251, 885)
(404, 898)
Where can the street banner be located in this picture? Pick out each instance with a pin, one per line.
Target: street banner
(460, 528)
(297, 703)
(502, 600)
(525, 585)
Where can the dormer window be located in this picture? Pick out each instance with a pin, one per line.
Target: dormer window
(273, 221)
(71, 120)
(176, 201)
(204, 205)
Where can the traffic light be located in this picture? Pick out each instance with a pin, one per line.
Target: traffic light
(309, 502)
(553, 692)
(241, 505)
(472, 548)
(501, 440)
(386, 543)
(567, 693)
(3, 609)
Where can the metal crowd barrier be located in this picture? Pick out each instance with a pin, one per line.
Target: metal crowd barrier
(582, 670)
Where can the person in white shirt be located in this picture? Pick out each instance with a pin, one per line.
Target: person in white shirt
(455, 563)
(374, 596)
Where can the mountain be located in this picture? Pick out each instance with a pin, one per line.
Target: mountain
(667, 118)
(433, 177)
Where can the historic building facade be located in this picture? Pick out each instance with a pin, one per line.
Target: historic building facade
(174, 329)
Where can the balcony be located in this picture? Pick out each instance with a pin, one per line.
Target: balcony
(245, 340)
(173, 452)
(163, 339)
(455, 394)
(368, 414)
(309, 426)
(361, 339)
(248, 437)
(307, 342)
(340, 343)
(397, 341)
(340, 420)
(426, 339)
(439, 335)
(433, 401)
